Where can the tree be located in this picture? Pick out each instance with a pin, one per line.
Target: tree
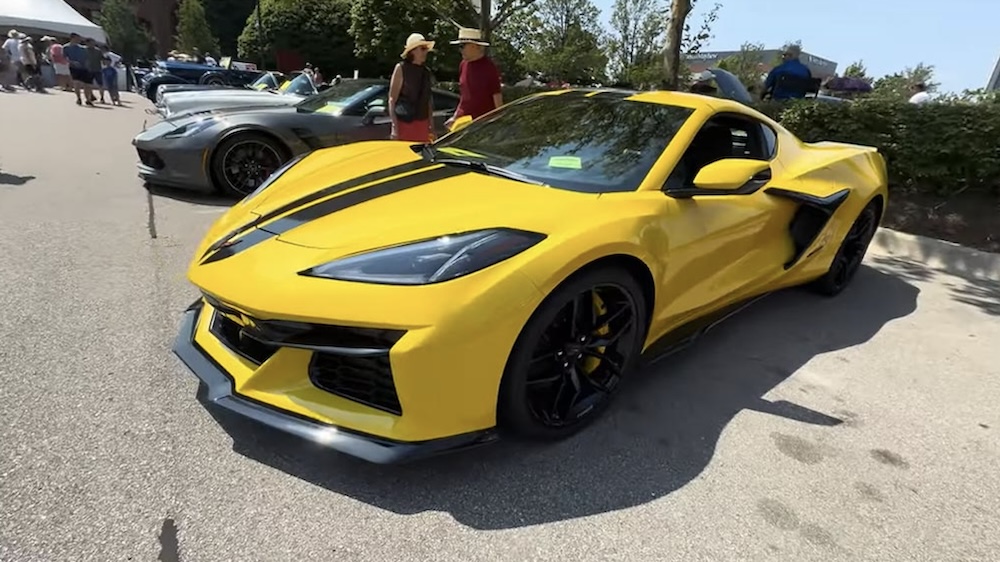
(127, 37)
(567, 42)
(318, 30)
(228, 18)
(637, 31)
(897, 86)
(380, 28)
(747, 65)
(692, 43)
(194, 36)
(857, 70)
(680, 40)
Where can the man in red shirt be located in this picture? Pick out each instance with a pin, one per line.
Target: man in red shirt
(479, 78)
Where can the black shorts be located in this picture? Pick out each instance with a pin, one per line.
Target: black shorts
(81, 75)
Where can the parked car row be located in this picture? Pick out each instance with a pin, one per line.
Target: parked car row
(230, 140)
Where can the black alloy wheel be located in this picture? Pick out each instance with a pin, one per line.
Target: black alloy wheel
(573, 355)
(242, 163)
(851, 253)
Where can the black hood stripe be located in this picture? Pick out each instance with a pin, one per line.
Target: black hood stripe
(321, 194)
(330, 206)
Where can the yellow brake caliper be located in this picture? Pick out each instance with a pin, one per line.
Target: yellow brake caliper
(590, 364)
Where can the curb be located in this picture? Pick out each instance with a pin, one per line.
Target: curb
(945, 256)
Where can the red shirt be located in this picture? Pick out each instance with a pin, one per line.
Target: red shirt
(478, 81)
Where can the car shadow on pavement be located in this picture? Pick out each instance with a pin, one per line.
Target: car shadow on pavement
(193, 197)
(13, 179)
(659, 436)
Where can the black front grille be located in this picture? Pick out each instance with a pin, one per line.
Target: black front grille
(150, 158)
(236, 338)
(367, 380)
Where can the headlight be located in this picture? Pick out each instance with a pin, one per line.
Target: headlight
(190, 128)
(273, 177)
(430, 261)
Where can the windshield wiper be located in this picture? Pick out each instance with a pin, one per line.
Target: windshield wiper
(483, 167)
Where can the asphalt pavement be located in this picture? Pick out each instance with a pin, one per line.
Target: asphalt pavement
(858, 428)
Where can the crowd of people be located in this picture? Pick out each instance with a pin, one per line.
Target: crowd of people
(79, 65)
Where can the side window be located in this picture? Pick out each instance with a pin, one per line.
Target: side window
(721, 137)
(770, 141)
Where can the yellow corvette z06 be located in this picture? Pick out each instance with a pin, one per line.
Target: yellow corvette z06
(393, 301)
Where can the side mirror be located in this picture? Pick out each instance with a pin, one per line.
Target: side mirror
(460, 123)
(372, 113)
(731, 174)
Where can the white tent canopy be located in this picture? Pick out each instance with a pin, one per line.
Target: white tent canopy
(46, 16)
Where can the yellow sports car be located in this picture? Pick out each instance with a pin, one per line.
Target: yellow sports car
(392, 301)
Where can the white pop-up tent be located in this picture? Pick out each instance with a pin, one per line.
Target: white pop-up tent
(46, 17)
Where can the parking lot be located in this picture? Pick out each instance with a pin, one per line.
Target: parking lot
(858, 428)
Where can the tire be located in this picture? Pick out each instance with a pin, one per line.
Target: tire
(267, 155)
(524, 393)
(212, 80)
(850, 255)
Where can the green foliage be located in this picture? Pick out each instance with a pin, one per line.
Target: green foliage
(898, 86)
(316, 29)
(857, 70)
(127, 37)
(194, 36)
(227, 18)
(938, 146)
(747, 65)
(638, 28)
(566, 43)
(380, 28)
(693, 41)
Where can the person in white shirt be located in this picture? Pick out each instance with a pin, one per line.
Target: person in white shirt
(920, 96)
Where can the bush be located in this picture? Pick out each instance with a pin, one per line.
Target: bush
(938, 147)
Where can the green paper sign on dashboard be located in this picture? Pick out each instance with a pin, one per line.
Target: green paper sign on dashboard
(567, 162)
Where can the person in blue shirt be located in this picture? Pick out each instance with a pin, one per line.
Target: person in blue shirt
(82, 79)
(790, 65)
(109, 77)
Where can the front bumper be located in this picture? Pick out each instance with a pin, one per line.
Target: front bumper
(168, 162)
(369, 447)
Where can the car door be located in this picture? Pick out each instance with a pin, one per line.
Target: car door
(378, 125)
(445, 105)
(722, 245)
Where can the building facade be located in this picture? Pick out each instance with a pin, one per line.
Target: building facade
(158, 16)
(820, 67)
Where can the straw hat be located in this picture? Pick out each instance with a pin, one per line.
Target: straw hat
(416, 40)
(469, 35)
(14, 34)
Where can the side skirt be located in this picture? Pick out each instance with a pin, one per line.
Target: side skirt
(687, 334)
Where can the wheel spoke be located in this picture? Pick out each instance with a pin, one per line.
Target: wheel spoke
(573, 368)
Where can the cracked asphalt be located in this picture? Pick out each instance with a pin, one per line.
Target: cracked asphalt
(860, 428)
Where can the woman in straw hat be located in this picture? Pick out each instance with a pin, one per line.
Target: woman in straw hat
(410, 104)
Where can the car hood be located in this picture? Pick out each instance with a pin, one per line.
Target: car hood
(424, 201)
(187, 102)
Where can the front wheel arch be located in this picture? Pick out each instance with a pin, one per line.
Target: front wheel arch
(632, 267)
(286, 152)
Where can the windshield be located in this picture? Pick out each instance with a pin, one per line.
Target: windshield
(267, 81)
(335, 98)
(599, 144)
(301, 85)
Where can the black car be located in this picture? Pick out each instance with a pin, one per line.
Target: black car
(233, 150)
(176, 72)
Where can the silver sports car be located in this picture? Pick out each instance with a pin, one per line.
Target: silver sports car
(173, 104)
(233, 150)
